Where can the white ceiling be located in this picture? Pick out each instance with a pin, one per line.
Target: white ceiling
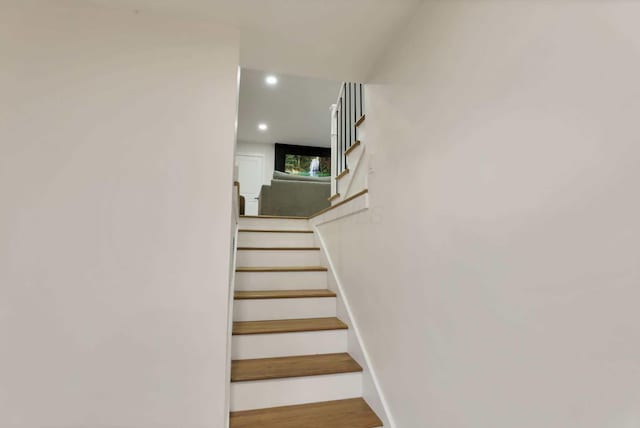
(296, 109)
(333, 39)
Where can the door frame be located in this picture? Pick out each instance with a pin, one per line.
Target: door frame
(251, 155)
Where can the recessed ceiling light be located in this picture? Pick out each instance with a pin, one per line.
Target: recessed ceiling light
(271, 80)
(263, 126)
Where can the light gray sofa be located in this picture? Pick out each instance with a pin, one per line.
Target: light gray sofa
(290, 195)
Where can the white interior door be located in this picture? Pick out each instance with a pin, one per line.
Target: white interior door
(250, 175)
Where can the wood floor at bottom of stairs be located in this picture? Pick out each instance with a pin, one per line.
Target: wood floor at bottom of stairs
(350, 413)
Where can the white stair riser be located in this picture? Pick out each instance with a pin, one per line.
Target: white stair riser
(272, 239)
(278, 258)
(249, 346)
(273, 224)
(280, 309)
(298, 390)
(247, 281)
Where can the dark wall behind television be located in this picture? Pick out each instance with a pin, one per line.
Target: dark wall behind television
(282, 150)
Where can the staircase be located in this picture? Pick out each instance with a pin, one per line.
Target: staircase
(290, 365)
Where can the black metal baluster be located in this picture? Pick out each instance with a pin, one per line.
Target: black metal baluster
(350, 123)
(354, 117)
(335, 151)
(355, 111)
(344, 129)
(347, 123)
(361, 99)
(341, 136)
(342, 132)
(355, 103)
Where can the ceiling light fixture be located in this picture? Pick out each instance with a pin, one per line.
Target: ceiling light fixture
(263, 126)
(271, 80)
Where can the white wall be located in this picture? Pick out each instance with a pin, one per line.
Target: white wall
(495, 277)
(116, 154)
(268, 25)
(260, 149)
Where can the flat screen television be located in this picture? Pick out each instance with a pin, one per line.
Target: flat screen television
(303, 160)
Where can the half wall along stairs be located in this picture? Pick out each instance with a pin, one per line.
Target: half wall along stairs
(290, 367)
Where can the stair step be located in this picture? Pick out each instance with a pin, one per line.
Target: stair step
(343, 173)
(352, 148)
(350, 413)
(278, 248)
(262, 394)
(273, 231)
(282, 294)
(286, 367)
(288, 326)
(274, 217)
(281, 269)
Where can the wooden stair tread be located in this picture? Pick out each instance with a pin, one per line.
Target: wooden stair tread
(359, 121)
(350, 413)
(298, 366)
(287, 326)
(278, 248)
(281, 269)
(342, 174)
(276, 217)
(282, 294)
(274, 231)
(352, 148)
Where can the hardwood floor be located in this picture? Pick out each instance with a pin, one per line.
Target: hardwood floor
(275, 231)
(283, 269)
(283, 294)
(351, 413)
(285, 367)
(278, 248)
(288, 326)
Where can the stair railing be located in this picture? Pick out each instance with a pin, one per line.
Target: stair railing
(345, 113)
